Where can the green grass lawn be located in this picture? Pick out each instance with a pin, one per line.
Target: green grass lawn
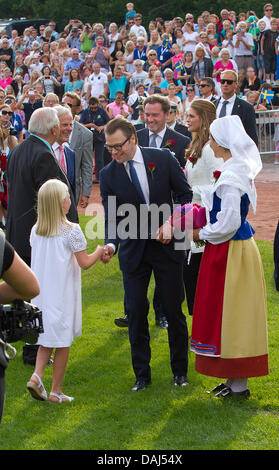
(106, 415)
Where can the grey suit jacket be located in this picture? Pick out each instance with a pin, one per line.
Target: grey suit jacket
(82, 144)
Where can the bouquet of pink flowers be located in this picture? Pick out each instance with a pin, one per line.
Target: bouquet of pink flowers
(188, 217)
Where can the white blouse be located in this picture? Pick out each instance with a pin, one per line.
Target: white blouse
(200, 176)
(228, 219)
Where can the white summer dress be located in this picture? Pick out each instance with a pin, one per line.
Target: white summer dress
(59, 276)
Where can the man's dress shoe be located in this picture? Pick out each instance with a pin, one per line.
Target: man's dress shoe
(121, 322)
(162, 323)
(180, 381)
(140, 385)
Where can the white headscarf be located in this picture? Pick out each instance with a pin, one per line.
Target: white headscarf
(241, 170)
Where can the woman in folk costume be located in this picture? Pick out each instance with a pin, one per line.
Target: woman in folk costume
(229, 331)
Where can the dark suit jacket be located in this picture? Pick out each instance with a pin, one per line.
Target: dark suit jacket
(71, 167)
(182, 130)
(167, 178)
(30, 164)
(180, 142)
(247, 115)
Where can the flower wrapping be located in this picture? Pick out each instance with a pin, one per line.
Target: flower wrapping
(189, 216)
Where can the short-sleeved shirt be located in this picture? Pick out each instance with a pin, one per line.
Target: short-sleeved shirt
(97, 83)
(117, 85)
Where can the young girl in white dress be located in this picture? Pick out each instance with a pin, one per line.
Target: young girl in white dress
(58, 253)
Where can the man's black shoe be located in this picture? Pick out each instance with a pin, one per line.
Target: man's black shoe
(140, 385)
(162, 322)
(121, 322)
(180, 381)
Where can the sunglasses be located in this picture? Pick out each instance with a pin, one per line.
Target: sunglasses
(269, 9)
(4, 113)
(116, 147)
(202, 85)
(93, 108)
(225, 80)
(190, 89)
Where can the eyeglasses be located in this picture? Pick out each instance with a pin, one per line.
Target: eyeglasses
(4, 113)
(225, 80)
(269, 9)
(116, 147)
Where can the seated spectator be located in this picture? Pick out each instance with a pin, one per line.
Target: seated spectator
(251, 81)
(140, 50)
(100, 54)
(95, 119)
(49, 82)
(252, 97)
(118, 106)
(152, 59)
(169, 78)
(74, 81)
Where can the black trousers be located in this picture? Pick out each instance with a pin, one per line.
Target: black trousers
(2, 390)
(169, 279)
(190, 276)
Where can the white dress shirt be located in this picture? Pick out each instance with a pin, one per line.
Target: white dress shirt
(55, 149)
(229, 106)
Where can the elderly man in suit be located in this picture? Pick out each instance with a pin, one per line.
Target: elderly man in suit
(229, 104)
(30, 164)
(81, 142)
(129, 180)
(63, 153)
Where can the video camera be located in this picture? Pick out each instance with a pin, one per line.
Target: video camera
(20, 321)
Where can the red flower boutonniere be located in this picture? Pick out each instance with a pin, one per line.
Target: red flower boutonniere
(193, 160)
(216, 174)
(170, 143)
(151, 168)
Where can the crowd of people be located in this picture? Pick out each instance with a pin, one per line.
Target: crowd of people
(91, 95)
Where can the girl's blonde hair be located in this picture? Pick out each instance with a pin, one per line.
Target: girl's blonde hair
(50, 208)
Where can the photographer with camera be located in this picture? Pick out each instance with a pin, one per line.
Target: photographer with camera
(19, 282)
(86, 39)
(29, 102)
(8, 142)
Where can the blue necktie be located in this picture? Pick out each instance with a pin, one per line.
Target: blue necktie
(153, 142)
(135, 180)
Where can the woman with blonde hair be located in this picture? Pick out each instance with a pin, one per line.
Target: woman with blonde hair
(199, 168)
(58, 253)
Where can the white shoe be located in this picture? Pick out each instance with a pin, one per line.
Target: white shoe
(61, 398)
(276, 163)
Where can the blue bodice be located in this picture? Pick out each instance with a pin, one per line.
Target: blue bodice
(245, 230)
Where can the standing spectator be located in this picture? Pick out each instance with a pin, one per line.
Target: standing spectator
(202, 67)
(224, 63)
(268, 13)
(73, 63)
(97, 83)
(169, 78)
(81, 142)
(54, 33)
(6, 79)
(191, 37)
(164, 53)
(243, 43)
(74, 39)
(48, 81)
(139, 76)
(86, 39)
(15, 119)
(118, 81)
(268, 50)
(137, 28)
(29, 102)
(207, 89)
(74, 81)
(259, 56)
(100, 54)
(95, 119)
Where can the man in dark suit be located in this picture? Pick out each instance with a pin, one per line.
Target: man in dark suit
(177, 126)
(207, 88)
(30, 164)
(156, 133)
(229, 104)
(63, 153)
(146, 179)
(81, 142)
